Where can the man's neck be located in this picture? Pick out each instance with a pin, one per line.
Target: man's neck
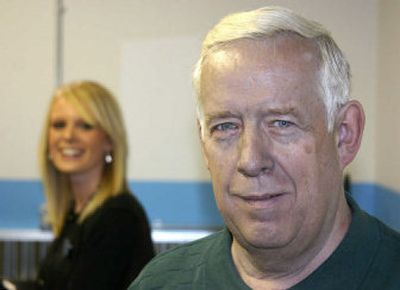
(275, 269)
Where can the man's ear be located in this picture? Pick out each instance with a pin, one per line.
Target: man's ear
(349, 129)
(200, 132)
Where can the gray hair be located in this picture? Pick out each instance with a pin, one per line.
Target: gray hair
(334, 71)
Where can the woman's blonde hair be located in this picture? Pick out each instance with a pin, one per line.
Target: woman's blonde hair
(98, 107)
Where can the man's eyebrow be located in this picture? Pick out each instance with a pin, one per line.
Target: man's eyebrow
(276, 111)
(282, 111)
(219, 115)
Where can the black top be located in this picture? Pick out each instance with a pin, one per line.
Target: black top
(106, 251)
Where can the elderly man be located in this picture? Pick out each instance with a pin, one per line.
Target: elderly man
(277, 129)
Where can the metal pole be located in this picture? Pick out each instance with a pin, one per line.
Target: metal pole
(59, 69)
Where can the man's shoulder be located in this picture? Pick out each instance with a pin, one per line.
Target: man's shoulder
(180, 264)
(390, 242)
(188, 254)
(383, 238)
(384, 268)
(388, 238)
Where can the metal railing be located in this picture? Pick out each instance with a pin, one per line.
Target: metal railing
(21, 251)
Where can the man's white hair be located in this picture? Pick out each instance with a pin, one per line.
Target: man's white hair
(334, 70)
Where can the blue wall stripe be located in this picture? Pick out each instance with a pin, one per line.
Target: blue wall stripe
(379, 201)
(20, 202)
(175, 204)
(387, 207)
(168, 204)
(365, 194)
(178, 204)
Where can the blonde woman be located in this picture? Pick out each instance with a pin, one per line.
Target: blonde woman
(102, 236)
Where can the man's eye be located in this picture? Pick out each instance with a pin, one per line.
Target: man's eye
(223, 131)
(224, 127)
(282, 123)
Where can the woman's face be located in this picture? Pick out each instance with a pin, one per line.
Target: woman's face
(76, 147)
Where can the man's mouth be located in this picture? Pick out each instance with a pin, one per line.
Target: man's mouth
(261, 197)
(262, 200)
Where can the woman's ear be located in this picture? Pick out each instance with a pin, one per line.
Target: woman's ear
(108, 145)
(349, 129)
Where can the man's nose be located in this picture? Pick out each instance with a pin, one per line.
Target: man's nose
(254, 153)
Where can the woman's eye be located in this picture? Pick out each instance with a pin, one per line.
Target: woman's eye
(58, 124)
(86, 126)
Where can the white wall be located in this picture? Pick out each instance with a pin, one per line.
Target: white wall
(144, 52)
(388, 98)
(26, 81)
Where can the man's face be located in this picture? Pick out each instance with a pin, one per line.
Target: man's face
(274, 165)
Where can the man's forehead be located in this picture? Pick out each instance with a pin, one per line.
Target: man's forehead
(280, 47)
(236, 105)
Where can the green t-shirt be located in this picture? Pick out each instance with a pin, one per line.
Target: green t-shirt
(368, 258)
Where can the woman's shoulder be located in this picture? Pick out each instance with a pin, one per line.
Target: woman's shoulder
(125, 200)
(122, 209)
